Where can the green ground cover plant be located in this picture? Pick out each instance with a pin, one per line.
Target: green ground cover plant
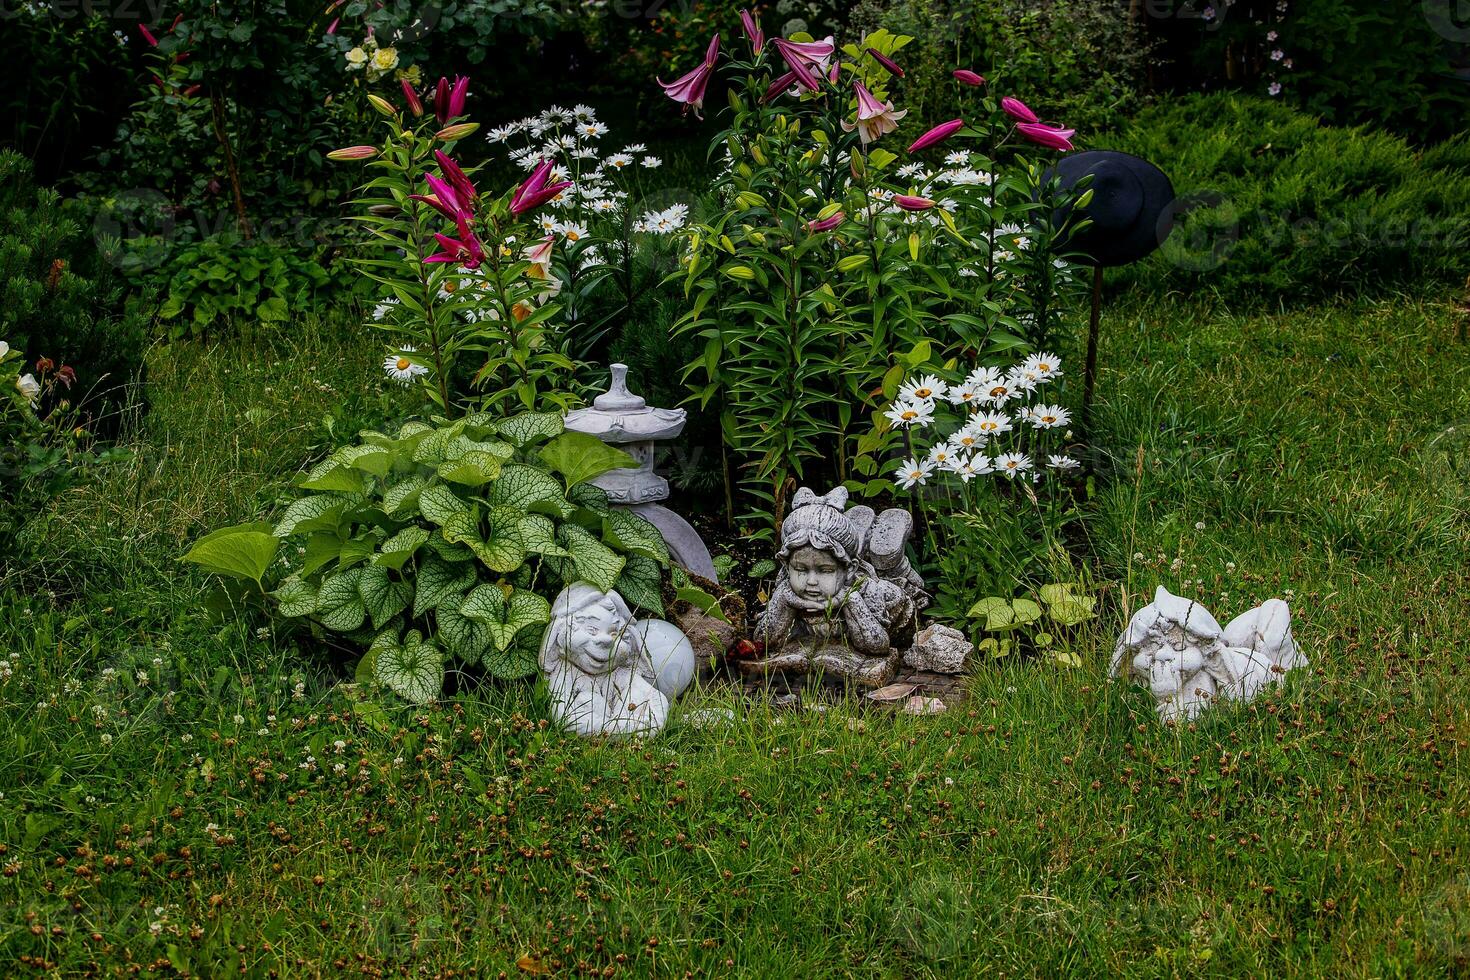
(185, 793)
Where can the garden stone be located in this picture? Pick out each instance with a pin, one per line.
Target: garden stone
(619, 417)
(671, 654)
(939, 649)
(596, 667)
(1176, 648)
(710, 637)
(832, 611)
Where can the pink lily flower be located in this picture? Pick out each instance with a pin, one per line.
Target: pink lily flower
(938, 134)
(780, 86)
(810, 54)
(888, 63)
(1017, 109)
(466, 250)
(910, 202)
(445, 193)
(966, 77)
(536, 191)
(874, 118)
(449, 98)
(449, 210)
(1051, 137)
(689, 89)
(826, 224)
(753, 31)
(464, 191)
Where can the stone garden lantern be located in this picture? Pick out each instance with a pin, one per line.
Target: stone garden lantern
(620, 418)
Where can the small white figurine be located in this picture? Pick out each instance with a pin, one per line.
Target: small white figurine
(1179, 650)
(600, 678)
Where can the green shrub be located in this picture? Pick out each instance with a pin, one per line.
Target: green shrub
(448, 540)
(224, 278)
(1081, 62)
(58, 300)
(1278, 207)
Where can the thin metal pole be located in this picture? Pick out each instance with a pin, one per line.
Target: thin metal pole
(1089, 376)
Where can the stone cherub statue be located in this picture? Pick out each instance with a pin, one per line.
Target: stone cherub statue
(601, 679)
(831, 609)
(1178, 649)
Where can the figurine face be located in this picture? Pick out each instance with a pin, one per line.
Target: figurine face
(596, 633)
(814, 575)
(1169, 661)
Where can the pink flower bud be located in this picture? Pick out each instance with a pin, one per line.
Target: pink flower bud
(1017, 109)
(353, 153)
(966, 77)
(938, 134)
(911, 203)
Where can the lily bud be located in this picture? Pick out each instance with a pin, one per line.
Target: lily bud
(382, 105)
(888, 63)
(910, 202)
(414, 105)
(966, 77)
(353, 153)
(456, 132)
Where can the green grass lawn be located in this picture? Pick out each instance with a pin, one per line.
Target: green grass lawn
(182, 793)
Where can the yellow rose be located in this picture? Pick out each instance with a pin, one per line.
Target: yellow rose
(356, 58)
(385, 59)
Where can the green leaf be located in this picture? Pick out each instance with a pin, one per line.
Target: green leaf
(330, 474)
(538, 535)
(501, 550)
(641, 583)
(1070, 612)
(438, 580)
(1056, 593)
(412, 669)
(529, 489)
(703, 601)
(473, 469)
(432, 447)
(1026, 611)
(400, 548)
(595, 561)
(466, 638)
(439, 503)
(590, 496)
(322, 548)
(988, 605)
(504, 616)
(403, 494)
(338, 604)
(629, 532)
(382, 597)
(243, 551)
(295, 597)
(579, 457)
(529, 427)
(516, 661)
(370, 459)
(314, 513)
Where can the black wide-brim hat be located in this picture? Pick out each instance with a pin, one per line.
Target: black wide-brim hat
(1131, 208)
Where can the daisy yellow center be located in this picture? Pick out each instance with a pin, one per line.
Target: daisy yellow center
(1011, 465)
(997, 391)
(923, 392)
(910, 414)
(1048, 419)
(987, 426)
(403, 364)
(1044, 368)
(573, 236)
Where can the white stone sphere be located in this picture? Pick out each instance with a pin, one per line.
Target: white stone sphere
(671, 653)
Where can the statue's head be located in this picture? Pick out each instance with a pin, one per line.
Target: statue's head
(819, 545)
(591, 631)
(1170, 641)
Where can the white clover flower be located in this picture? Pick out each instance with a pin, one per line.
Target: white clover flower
(905, 413)
(912, 472)
(1012, 465)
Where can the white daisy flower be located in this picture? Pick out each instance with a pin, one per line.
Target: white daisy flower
(1012, 465)
(957, 159)
(905, 413)
(635, 148)
(969, 438)
(942, 456)
(911, 171)
(584, 113)
(500, 134)
(383, 309)
(401, 368)
(1049, 416)
(974, 465)
(912, 472)
(925, 389)
(619, 160)
(591, 130)
(571, 231)
(652, 163)
(990, 424)
(1062, 462)
(1043, 366)
(963, 394)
